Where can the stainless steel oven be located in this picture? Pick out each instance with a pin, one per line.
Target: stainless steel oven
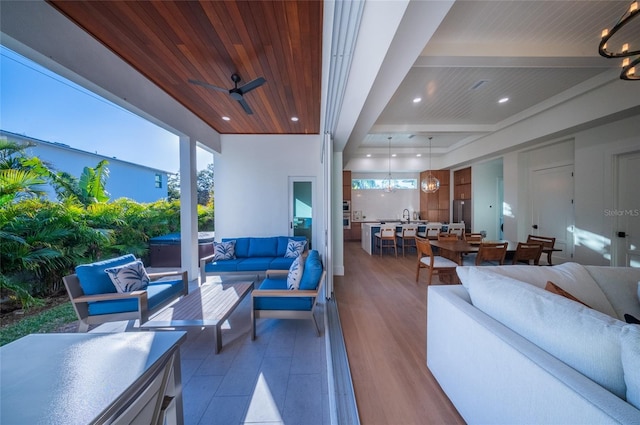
(346, 206)
(346, 220)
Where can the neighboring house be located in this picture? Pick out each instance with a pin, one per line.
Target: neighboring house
(126, 179)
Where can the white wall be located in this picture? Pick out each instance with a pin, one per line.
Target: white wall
(376, 204)
(252, 183)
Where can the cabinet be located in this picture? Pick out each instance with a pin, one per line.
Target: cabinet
(462, 184)
(348, 234)
(436, 206)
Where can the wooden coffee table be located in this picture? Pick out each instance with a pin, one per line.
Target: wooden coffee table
(207, 306)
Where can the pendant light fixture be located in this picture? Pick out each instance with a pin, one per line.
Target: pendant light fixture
(631, 56)
(430, 184)
(389, 185)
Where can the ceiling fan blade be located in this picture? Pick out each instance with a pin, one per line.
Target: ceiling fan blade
(207, 85)
(245, 106)
(252, 85)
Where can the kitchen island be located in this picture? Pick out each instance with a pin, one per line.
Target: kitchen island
(369, 229)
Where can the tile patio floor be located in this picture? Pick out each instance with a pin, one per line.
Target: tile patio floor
(280, 378)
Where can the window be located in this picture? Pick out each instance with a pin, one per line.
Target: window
(360, 184)
(158, 180)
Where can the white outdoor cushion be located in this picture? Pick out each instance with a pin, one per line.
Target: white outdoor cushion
(630, 341)
(129, 277)
(439, 262)
(295, 273)
(294, 248)
(620, 286)
(572, 277)
(581, 337)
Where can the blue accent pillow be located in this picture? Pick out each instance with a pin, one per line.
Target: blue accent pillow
(129, 277)
(295, 273)
(93, 279)
(224, 250)
(312, 271)
(294, 248)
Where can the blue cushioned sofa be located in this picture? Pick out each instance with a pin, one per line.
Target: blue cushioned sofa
(96, 301)
(252, 254)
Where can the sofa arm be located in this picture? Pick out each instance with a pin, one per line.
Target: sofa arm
(109, 297)
(274, 273)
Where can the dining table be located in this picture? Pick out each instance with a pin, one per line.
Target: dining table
(454, 250)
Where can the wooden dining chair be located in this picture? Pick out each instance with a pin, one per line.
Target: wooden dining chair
(433, 230)
(387, 237)
(547, 243)
(457, 229)
(492, 252)
(434, 263)
(407, 236)
(473, 238)
(447, 237)
(527, 252)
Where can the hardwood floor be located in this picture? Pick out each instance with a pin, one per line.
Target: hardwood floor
(383, 316)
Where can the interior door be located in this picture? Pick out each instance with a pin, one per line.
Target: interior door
(627, 212)
(552, 212)
(301, 207)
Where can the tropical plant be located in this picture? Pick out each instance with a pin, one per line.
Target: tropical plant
(92, 183)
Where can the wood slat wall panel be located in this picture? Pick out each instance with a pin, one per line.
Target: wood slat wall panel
(171, 42)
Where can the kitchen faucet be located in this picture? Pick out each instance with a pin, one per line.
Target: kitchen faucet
(408, 216)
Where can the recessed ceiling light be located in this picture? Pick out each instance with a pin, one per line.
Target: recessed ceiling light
(394, 155)
(226, 118)
(368, 155)
(294, 119)
(418, 155)
(503, 100)
(417, 100)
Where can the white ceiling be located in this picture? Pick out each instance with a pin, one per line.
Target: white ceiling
(532, 52)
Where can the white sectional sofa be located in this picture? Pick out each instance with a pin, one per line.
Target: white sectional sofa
(504, 350)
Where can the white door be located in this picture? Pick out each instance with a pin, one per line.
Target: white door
(552, 208)
(626, 235)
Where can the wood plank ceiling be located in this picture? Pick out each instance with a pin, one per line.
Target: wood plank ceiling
(171, 42)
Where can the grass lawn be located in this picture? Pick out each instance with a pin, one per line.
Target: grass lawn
(48, 320)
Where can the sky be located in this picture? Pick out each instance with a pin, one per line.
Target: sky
(37, 103)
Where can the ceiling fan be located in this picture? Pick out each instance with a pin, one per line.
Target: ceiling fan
(236, 93)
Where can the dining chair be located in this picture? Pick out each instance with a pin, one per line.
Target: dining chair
(407, 236)
(547, 243)
(527, 252)
(473, 238)
(493, 252)
(433, 230)
(387, 236)
(457, 229)
(434, 263)
(447, 237)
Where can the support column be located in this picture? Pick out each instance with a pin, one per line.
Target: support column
(188, 207)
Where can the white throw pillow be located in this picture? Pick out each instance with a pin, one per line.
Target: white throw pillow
(583, 338)
(630, 341)
(129, 277)
(295, 273)
(294, 248)
(224, 250)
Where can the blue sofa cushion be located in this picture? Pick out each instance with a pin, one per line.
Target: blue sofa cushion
(93, 278)
(263, 247)
(224, 265)
(254, 264)
(283, 241)
(312, 271)
(277, 303)
(157, 293)
(281, 263)
(242, 246)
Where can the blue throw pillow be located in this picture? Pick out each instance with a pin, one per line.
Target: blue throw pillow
(295, 273)
(93, 279)
(312, 271)
(294, 248)
(129, 277)
(224, 250)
